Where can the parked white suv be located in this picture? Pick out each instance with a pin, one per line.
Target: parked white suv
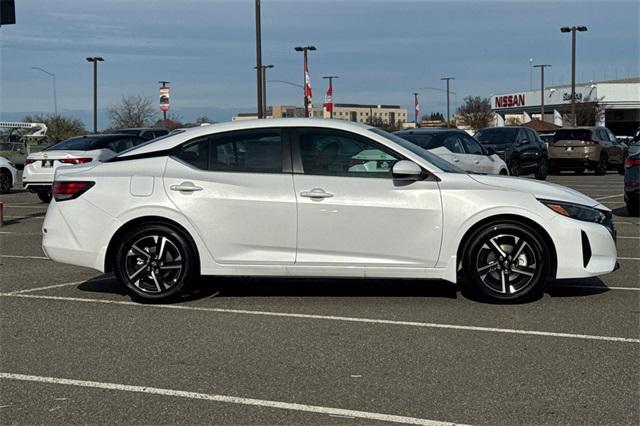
(40, 167)
(321, 198)
(8, 175)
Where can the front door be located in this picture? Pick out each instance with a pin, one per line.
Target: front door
(352, 213)
(232, 189)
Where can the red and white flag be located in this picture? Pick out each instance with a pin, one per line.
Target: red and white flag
(307, 88)
(417, 108)
(328, 99)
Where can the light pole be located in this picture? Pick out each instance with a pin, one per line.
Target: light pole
(263, 85)
(55, 97)
(163, 106)
(95, 60)
(542, 67)
(530, 73)
(330, 78)
(258, 68)
(447, 79)
(573, 30)
(304, 49)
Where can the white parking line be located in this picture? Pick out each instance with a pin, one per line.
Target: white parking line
(30, 206)
(596, 286)
(12, 256)
(610, 196)
(19, 233)
(624, 237)
(227, 399)
(23, 217)
(332, 318)
(629, 258)
(29, 290)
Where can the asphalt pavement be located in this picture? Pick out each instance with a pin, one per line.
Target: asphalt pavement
(76, 349)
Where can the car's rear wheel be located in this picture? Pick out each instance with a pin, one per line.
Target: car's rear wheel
(6, 181)
(543, 169)
(45, 195)
(633, 206)
(505, 262)
(601, 167)
(155, 263)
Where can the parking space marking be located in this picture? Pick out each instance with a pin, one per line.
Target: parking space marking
(333, 318)
(12, 256)
(32, 206)
(610, 196)
(624, 237)
(30, 290)
(603, 287)
(23, 217)
(226, 399)
(19, 233)
(629, 258)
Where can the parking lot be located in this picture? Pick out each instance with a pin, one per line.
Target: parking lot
(75, 349)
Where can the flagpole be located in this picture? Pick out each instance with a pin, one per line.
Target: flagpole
(330, 92)
(416, 107)
(307, 79)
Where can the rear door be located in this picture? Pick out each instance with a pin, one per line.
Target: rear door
(616, 149)
(236, 189)
(480, 161)
(351, 212)
(528, 149)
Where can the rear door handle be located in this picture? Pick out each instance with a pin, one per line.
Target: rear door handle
(316, 193)
(456, 159)
(185, 187)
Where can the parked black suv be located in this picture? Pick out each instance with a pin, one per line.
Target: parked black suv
(519, 147)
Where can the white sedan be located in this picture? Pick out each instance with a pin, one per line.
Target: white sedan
(458, 148)
(40, 167)
(8, 175)
(290, 197)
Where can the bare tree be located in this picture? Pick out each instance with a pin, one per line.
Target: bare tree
(58, 127)
(132, 111)
(476, 112)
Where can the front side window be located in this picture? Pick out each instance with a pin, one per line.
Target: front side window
(470, 145)
(333, 153)
(247, 152)
(496, 136)
(452, 143)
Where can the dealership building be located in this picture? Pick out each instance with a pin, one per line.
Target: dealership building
(614, 104)
(360, 113)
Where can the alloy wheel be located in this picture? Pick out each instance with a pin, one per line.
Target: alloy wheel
(154, 264)
(506, 264)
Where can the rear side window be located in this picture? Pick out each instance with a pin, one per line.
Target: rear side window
(470, 145)
(248, 152)
(496, 136)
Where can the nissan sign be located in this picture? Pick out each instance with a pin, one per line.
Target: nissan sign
(509, 101)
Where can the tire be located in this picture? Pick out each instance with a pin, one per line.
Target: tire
(543, 170)
(633, 207)
(578, 171)
(517, 277)
(514, 168)
(45, 195)
(503, 172)
(601, 167)
(6, 181)
(621, 166)
(155, 263)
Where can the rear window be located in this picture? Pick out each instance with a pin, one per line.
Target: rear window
(81, 143)
(424, 140)
(572, 134)
(496, 136)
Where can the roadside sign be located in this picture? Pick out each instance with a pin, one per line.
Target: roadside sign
(164, 99)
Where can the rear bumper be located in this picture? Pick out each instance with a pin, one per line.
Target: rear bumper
(36, 186)
(572, 163)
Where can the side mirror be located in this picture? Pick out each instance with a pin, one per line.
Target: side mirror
(406, 170)
(489, 151)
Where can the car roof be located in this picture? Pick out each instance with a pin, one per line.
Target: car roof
(503, 127)
(140, 129)
(170, 141)
(428, 130)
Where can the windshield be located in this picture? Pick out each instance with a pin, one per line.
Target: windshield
(572, 134)
(423, 140)
(80, 143)
(443, 165)
(497, 136)
(128, 131)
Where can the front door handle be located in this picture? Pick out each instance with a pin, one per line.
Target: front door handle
(316, 193)
(476, 161)
(185, 187)
(455, 159)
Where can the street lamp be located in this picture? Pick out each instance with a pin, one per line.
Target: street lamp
(95, 60)
(530, 73)
(263, 85)
(330, 78)
(542, 67)
(304, 49)
(573, 30)
(55, 97)
(447, 79)
(258, 67)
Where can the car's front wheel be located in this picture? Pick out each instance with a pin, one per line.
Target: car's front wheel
(6, 181)
(155, 263)
(505, 262)
(543, 169)
(601, 167)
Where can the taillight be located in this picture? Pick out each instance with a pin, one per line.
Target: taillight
(76, 160)
(68, 190)
(29, 161)
(630, 162)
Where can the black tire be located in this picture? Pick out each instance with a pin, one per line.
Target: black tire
(45, 195)
(633, 207)
(621, 166)
(519, 276)
(514, 167)
(504, 172)
(156, 263)
(543, 170)
(601, 167)
(6, 181)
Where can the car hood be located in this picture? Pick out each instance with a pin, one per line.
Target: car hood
(543, 190)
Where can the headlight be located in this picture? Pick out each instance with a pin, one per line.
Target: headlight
(576, 211)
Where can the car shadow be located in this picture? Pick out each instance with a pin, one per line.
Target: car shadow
(239, 287)
(23, 217)
(621, 212)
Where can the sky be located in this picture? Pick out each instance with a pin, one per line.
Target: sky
(382, 51)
